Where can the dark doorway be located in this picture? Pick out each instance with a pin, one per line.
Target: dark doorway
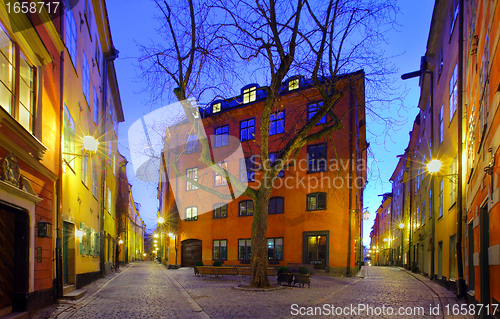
(483, 257)
(471, 256)
(191, 252)
(315, 249)
(440, 259)
(66, 237)
(14, 259)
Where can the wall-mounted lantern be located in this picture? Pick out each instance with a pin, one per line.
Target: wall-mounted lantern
(44, 228)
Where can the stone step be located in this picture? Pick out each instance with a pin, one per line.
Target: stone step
(68, 288)
(16, 315)
(75, 294)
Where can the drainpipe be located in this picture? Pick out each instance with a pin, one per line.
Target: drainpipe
(461, 282)
(58, 251)
(348, 267)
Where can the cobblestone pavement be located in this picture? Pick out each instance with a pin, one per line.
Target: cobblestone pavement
(149, 290)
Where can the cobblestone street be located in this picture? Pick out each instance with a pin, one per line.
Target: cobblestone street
(149, 290)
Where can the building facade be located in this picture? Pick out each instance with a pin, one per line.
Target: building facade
(311, 219)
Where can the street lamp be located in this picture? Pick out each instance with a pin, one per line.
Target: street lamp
(161, 220)
(155, 235)
(366, 215)
(434, 166)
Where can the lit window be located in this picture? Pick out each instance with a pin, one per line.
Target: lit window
(454, 14)
(316, 158)
(293, 85)
(244, 249)
(220, 211)
(220, 180)
(16, 74)
(249, 95)
(68, 136)
(312, 109)
(275, 248)
(191, 173)
(220, 249)
(276, 205)
(192, 144)
(245, 208)
(453, 92)
(216, 108)
(191, 213)
(247, 130)
(222, 136)
(277, 123)
(316, 201)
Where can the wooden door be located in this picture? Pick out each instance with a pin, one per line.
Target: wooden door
(7, 252)
(191, 252)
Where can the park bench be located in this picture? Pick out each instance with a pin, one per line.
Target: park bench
(247, 271)
(216, 271)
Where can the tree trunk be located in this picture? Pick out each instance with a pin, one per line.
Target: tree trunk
(259, 243)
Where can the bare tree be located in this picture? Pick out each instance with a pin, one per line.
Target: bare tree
(211, 42)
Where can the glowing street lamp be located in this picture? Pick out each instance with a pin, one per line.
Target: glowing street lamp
(366, 215)
(90, 144)
(385, 239)
(161, 220)
(120, 242)
(401, 226)
(434, 166)
(155, 235)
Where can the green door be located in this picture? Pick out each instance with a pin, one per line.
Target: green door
(66, 236)
(440, 259)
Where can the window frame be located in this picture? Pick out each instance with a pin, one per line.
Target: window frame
(319, 159)
(189, 185)
(222, 180)
(219, 245)
(247, 129)
(192, 146)
(453, 94)
(316, 196)
(275, 211)
(273, 160)
(275, 122)
(310, 112)
(68, 137)
(249, 94)
(247, 175)
(293, 84)
(219, 137)
(191, 218)
(247, 249)
(216, 108)
(86, 78)
(71, 33)
(274, 239)
(219, 206)
(246, 202)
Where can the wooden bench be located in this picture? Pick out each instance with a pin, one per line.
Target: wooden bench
(216, 271)
(247, 271)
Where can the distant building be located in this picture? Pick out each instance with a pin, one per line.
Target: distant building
(311, 223)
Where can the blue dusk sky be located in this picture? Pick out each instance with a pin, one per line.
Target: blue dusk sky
(132, 22)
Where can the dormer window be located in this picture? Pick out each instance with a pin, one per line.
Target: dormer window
(249, 95)
(293, 84)
(216, 108)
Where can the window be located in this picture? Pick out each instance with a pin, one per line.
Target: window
(85, 169)
(244, 249)
(86, 78)
(222, 136)
(272, 160)
(245, 208)
(109, 201)
(316, 201)
(220, 180)
(16, 74)
(440, 128)
(249, 95)
(483, 84)
(454, 14)
(453, 182)
(192, 144)
(191, 213)
(247, 169)
(71, 35)
(453, 92)
(430, 203)
(441, 199)
(97, 53)
(220, 249)
(471, 132)
(88, 13)
(220, 210)
(312, 109)
(247, 130)
(275, 248)
(68, 136)
(216, 108)
(277, 123)
(441, 63)
(293, 84)
(276, 205)
(191, 173)
(423, 212)
(316, 158)
(95, 180)
(96, 107)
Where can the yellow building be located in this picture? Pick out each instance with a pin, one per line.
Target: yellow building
(91, 107)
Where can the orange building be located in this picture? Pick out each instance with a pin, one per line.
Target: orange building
(315, 207)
